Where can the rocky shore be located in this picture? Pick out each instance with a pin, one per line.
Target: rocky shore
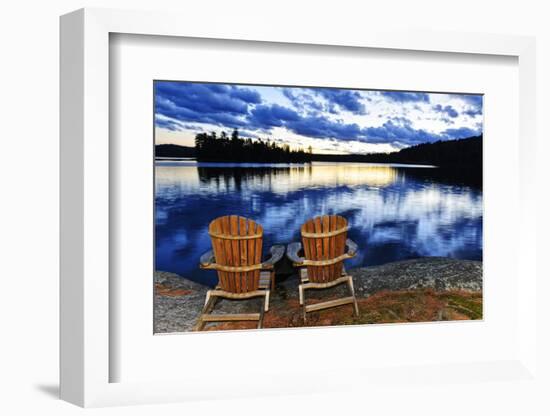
(419, 290)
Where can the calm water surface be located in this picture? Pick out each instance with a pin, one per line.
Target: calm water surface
(395, 212)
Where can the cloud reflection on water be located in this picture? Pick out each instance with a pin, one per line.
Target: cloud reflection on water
(393, 213)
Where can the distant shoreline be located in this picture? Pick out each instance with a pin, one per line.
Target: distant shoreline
(262, 164)
(460, 154)
(161, 158)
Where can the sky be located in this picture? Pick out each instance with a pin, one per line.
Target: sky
(330, 120)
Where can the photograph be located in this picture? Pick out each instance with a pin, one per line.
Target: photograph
(279, 206)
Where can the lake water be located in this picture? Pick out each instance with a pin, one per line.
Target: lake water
(394, 212)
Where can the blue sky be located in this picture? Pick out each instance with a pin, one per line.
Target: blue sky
(329, 120)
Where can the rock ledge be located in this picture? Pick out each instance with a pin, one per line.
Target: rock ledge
(178, 301)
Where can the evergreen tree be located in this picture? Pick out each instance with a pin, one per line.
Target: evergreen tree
(208, 147)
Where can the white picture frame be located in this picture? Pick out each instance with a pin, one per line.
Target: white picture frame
(85, 231)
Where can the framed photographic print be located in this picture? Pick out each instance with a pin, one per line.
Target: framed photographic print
(376, 195)
(323, 201)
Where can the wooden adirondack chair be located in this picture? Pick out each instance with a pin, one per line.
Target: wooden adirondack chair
(325, 247)
(237, 257)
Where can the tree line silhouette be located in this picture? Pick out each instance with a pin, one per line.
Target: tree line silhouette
(464, 154)
(467, 152)
(211, 148)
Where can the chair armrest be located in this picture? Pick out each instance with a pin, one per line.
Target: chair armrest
(207, 259)
(276, 253)
(352, 247)
(292, 251)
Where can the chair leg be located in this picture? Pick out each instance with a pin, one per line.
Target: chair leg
(209, 303)
(261, 320)
(355, 306)
(303, 302)
(272, 280)
(206, 300)
(264, 309)
(266, 301)
(331, 303)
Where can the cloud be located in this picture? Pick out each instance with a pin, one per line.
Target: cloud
(459, 133)
(310, 125)
(402, 133)
(302, 100)
(475, 105)
(168, 124)
(473, 112)
(174, 125)
(247, 134)
(168, 109)
(263, 116)
(405, 134)
(345, 99)
(403, 97)
(401, 120)
(473, 99)
(323, 128)
(182, 105)
(450, 111)
(289, 93)
(398, 131)
(215, 104)
(246, 95)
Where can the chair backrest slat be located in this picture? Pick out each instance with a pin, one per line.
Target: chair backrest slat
(309, 248)
(243, 254)
(250, 253)
(237, 242)
(324, 238)
(257, 253)
(227, 252)
(326, 246)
